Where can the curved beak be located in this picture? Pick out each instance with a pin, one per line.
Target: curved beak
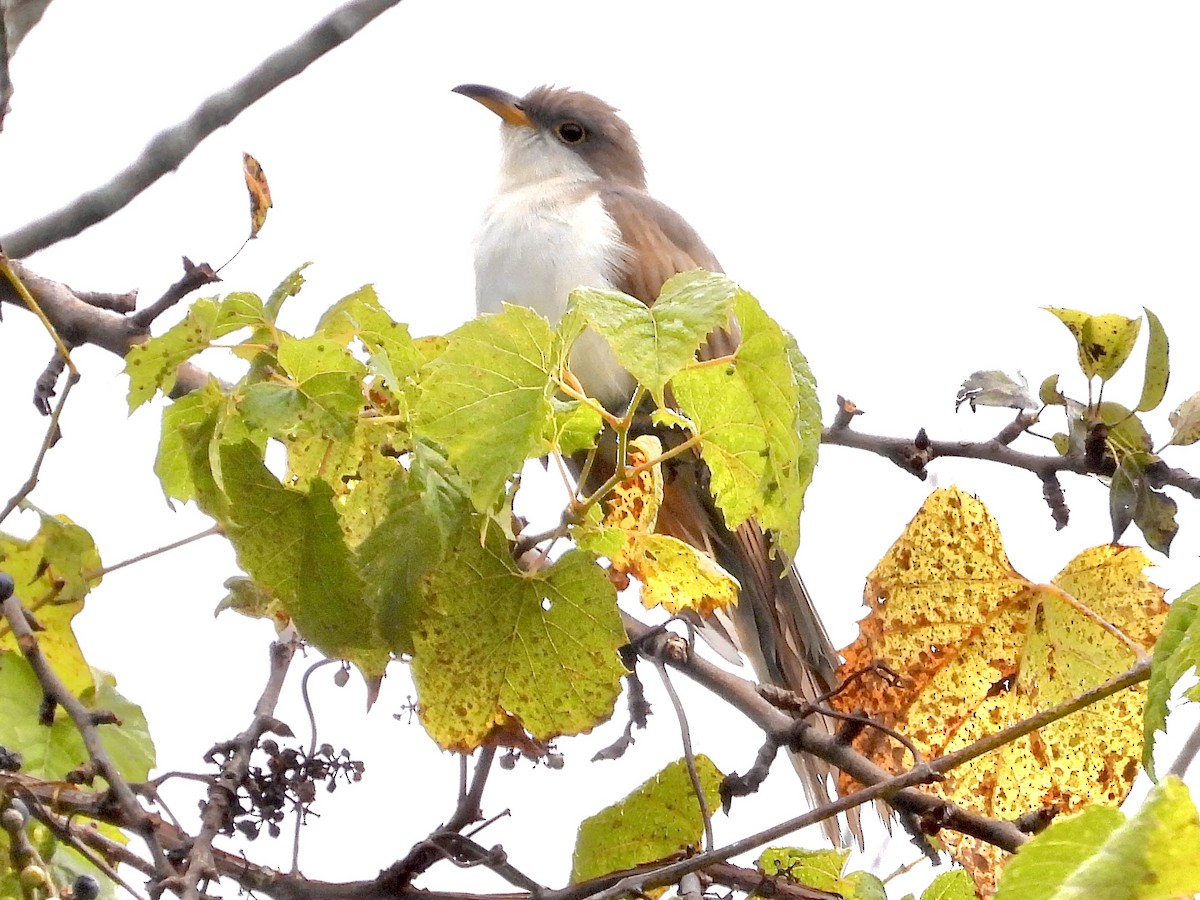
(502, 103)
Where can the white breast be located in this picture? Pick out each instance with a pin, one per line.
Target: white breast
(541, 240)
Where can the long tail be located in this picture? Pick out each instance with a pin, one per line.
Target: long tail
(777, 626)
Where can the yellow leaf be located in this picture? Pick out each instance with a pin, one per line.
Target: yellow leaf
(260, 193)
(673, 574)
(980, 648)
(1104, 342)
(676, 575)
(633, 504)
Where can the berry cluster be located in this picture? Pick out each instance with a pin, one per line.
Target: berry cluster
(287, 781)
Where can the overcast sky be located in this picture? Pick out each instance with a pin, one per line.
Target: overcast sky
(901, 185)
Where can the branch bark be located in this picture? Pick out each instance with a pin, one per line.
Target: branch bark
(85, 721)
(167, 150)
(217, 814)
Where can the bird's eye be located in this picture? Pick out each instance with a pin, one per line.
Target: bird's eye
(571, 132)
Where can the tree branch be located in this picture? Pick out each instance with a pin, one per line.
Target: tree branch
(79, 320)
(86, 722)
(217, 813)
(171, 147)
(914, 455)
(896, 789)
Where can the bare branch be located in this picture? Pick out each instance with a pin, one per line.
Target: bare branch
(1186, 754)
(913, 455)
(896, 789)
(194, 277)
(79, 321)
(171, 147)
(756, 884)
(689, 754)
(51, 438)
(905, 453)
(398, 877)
(174, 545)
(217, 811)
(85, 721)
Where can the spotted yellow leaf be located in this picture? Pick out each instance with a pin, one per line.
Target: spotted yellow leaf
(980, 647)
(673, 574)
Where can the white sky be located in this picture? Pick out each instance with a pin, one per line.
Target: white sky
(902, 185)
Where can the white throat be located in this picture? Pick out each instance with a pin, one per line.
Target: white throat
(545, 234)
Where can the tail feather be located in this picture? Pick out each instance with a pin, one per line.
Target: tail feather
(775, 623)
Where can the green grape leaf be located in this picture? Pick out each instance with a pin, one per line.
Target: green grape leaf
(1176, 652)
(393, 355)
(1043, 864)
(1133, 499)
(289, 287)
(759, 422)
(1158, 365)
(1155, 517)
(426, 510)
(1126, 433)
(574, 427)
(670, 418)
(486, 398)
(1123, 497)
(357, 470)
(820, 869)
(1104, 342)
(230, 429)
(187, 429)
(498, 650)
(1049, 393)
(654, 343)
(863, 886)
(129, 744)
(249, 599)
(152, 366)
(51, 752)
(319, 392)
(1099, 853)
(658, 819)
(956, 885)
(290, 542)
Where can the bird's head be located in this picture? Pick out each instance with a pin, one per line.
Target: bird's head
(556, 132)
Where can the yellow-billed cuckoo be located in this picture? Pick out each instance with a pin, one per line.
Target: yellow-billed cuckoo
(572, 210)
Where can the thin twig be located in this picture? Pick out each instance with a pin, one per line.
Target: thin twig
(47, 442)
(312, 749)
(689, 754)
(217, 810)
(150, 554)
(742, 695)
(398, 876)
(905, 453)
(194, 277)
(18, 285)
(69, 834)
(85, 722)
(1186, 754)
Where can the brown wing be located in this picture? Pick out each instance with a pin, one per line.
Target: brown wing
(660, 242)
(776, 624)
